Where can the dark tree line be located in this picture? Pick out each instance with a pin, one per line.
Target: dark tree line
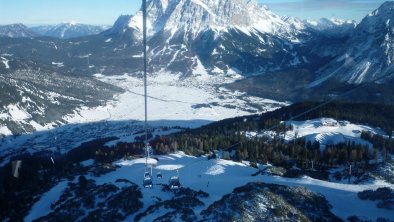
(385, 145)
(229, 135)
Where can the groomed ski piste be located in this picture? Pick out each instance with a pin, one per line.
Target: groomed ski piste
(219, 177)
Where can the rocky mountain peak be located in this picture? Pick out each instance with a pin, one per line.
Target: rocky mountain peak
(194, 16)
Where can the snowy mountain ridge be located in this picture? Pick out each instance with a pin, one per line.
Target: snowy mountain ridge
(370, 51)
(16, 31)
(195, 16)
(216, 37)
(68, 30)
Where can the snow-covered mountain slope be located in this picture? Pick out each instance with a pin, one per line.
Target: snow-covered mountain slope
(369, 54)
(68, 30)
(196, 16)
(221, 36)
(31, 100)
(16, 31)
(207, 181)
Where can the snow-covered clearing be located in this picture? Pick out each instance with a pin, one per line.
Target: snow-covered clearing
(326, 131)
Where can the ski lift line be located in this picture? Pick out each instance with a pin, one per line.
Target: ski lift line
(148, 168)
(320, 105)
(145, 76)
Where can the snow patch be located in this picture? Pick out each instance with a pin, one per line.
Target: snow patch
(169, 167)
(43, 206)
(150, 161)
(215, 170)
(204, 6)
(58, 64)
(5, 131)
(17, 114)
(5, 62)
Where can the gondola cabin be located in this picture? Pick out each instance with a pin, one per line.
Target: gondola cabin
(147, 183)
(174, 182)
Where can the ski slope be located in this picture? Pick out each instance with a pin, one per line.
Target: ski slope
(220, 177)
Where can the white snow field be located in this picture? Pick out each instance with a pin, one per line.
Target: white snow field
(220, 177)
(326, 131)
(170, 98)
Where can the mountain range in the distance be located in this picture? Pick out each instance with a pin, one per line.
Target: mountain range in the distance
(64, 30)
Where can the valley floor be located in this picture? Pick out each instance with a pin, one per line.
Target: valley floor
(170, 98)
(189, 103)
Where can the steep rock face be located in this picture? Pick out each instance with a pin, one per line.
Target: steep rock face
(31, 100)
(370, 52)
(195, 16)
(122, 32)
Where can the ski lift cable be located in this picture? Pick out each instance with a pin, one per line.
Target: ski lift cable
(144, 15)
(148, 168)
(320, 105)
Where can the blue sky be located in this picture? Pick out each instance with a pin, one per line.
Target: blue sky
(33, 12)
